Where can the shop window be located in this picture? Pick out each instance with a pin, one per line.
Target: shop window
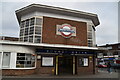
(25, 60)
(83, 61)
(6, 60)
(47, 61)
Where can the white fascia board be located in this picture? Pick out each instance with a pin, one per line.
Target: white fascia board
(48, 45)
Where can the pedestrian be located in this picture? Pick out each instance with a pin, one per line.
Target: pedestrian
(109, 67)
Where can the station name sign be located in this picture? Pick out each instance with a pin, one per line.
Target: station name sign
(66, 30)
(39, 51)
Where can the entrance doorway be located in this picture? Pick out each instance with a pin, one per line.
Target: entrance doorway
(65, 65)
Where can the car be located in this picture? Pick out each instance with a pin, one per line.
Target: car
(102, 66)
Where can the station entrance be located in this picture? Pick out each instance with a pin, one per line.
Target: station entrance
(65, 65)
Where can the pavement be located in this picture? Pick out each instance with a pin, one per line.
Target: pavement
(102, 73)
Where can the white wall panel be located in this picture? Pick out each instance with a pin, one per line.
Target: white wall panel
(55, 16)
(13, 60)
(20, 49)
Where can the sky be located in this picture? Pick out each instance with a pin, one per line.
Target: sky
(106, 32)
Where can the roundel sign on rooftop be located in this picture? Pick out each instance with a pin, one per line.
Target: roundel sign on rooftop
(66, 30)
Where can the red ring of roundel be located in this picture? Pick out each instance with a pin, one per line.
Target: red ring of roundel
(64, 34)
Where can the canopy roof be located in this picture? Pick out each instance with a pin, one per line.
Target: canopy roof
(57, 10)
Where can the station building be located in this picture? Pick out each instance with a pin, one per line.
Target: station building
(52, 41)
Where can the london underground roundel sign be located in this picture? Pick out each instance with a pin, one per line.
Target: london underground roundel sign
(66, 30)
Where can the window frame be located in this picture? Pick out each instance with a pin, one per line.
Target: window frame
(9, 60)
(24, 64)
(28, 30)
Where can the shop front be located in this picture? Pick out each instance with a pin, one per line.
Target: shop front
(66, 62)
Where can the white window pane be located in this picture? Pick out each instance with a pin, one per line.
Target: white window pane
(38, 21)
(37, 39)
(6, 60)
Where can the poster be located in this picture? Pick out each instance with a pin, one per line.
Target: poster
(85, 61)
(47, 61)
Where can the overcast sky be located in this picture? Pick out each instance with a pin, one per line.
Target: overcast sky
(106, 32)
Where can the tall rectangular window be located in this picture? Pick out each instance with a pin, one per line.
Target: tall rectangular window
(22, 24)
(31, 30)
(90, 36)
(25, 39)
(6, 60)
(32, 21)
(21, 32)
(27, 23)
(26, 31)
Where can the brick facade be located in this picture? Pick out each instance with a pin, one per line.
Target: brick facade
(81, 70)
(49, 32)
(44, 70)
(17, 72)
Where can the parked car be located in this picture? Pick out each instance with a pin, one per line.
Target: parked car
(102, 65)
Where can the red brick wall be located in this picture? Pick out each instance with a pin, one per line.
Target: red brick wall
(17, 72)
(44, 70)
(49, 32)
(85, 70)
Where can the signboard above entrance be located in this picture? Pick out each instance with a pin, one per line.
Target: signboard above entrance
(39, 51)
(66, 30)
